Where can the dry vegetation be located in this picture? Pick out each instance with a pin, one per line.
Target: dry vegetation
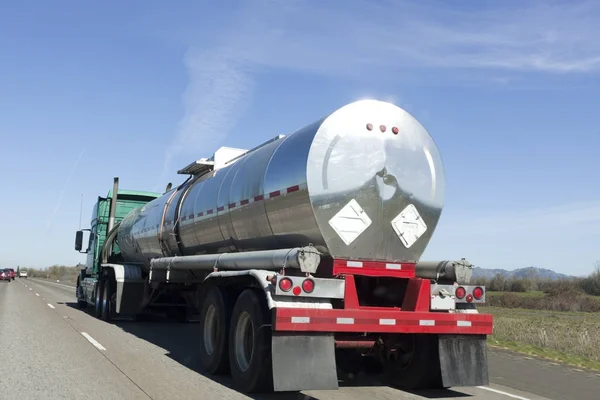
(567, 300)
(559, 320)
(56, 272)
(589, 285)
(568, 337)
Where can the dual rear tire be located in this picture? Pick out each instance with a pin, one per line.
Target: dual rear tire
(104, 301)
(236, 338)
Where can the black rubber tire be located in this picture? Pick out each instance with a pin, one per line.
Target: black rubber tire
(107, 310)
(98, 298)
(218, 361)
(82, 304)
(423, 370)
(258, 377)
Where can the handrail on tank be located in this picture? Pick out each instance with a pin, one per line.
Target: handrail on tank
(256, 148)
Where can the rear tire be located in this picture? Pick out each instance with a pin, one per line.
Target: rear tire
(82, 304)
(108, 301)
(250, 344)
(98, 298)
(215, 316)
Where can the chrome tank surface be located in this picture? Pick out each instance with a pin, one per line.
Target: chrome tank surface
(364, 183)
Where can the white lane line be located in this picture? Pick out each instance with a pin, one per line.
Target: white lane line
(514, 396)
(93, 341)
(50, 305)
(37, 294)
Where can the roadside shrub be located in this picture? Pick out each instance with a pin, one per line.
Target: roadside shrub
(591, 284)
(568, 300)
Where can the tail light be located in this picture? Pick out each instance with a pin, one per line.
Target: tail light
(478, 293)
(286, 284)
(460, 292)
(308, 285)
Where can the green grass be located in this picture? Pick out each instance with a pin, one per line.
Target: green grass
(569, 337)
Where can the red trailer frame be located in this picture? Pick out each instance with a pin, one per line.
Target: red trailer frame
(414, 316)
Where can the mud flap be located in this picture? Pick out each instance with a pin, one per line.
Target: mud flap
(303, 362)
(129, 297)
(463, 360)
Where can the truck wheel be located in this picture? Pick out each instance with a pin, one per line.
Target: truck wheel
(108, 299)
(82, 304)
(414, 363)
(98, 298)
(214, 330)
(250, 344)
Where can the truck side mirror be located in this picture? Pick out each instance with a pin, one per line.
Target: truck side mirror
(78, 240)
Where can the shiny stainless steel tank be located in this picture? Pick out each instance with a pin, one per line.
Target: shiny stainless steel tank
(366, 182)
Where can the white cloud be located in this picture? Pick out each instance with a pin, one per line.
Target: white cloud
(362, 38)
(329, 38)
(221, 81)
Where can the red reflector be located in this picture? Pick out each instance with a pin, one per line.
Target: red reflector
(297, 291)
(395, 130)
(469, 297)
(460, 292)
(478, 293)
(369, 127)
(285, 284)
(382, 128)
(308, 285)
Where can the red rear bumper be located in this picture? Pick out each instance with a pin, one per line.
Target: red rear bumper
(413, 317)
(381, 321)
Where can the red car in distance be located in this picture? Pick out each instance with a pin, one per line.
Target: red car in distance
(5, 275)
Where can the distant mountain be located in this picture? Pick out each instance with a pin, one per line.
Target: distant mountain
(528, 272)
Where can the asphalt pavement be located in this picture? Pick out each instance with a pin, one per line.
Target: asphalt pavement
(49, 349)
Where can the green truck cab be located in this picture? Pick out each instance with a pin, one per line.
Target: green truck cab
(100, 225)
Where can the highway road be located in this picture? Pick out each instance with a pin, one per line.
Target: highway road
(49, 349)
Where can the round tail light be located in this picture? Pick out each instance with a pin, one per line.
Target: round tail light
(469, 298)
(308, 285)
(286, 284)
(478, 293)
(460, 292)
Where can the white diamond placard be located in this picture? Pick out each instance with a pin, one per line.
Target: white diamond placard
(350, 222)
(409, 225)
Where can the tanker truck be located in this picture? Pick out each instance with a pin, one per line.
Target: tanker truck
(300, 259)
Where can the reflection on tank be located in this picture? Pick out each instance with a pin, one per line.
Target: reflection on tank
(285, 193)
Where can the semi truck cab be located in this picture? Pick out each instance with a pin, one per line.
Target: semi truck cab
(100, 225)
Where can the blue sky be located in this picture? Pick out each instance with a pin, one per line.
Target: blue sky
(509, 91)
